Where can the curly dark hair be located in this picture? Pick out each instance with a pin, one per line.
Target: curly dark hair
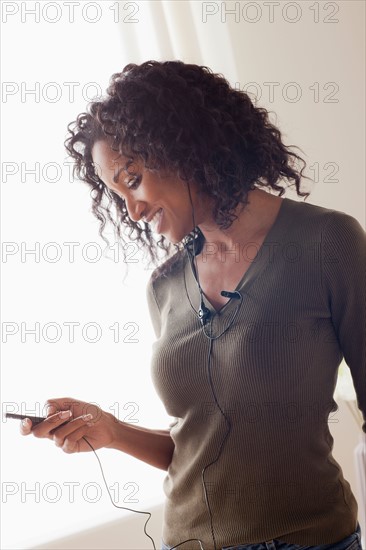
(190, 120)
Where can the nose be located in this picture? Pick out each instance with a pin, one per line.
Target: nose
(135, 209)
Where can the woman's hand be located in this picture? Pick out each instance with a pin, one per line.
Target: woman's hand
(69, 420)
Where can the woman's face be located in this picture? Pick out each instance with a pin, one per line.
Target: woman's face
(159, 198)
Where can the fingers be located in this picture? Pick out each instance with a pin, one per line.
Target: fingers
(42, 429)
(68, 437)
(52, 422)
(77, 407)
(62, 404)
(26, 426)
(64, 431)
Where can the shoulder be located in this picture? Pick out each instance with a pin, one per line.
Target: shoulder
(163, 277)
(337, 237)
(306, 212)
(344, 244)
(168, 269)
(325, 222)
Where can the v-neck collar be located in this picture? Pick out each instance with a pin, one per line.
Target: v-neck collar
(264, 257)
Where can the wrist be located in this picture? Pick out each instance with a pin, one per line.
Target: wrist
(117, 429)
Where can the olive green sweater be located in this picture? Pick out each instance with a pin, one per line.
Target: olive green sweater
(274, 372)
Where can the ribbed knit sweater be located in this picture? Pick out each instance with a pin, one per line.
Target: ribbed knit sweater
(274, 373)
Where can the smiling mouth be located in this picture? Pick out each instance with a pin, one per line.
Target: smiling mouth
(154, 222)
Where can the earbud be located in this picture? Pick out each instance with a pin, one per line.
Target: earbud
(236, 294)
(204, 314)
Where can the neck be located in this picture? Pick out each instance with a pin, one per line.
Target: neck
(251, 223)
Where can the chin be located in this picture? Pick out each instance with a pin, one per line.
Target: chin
(178, 234)
(175, 239)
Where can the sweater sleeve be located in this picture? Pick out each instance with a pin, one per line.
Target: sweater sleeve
(344, 276)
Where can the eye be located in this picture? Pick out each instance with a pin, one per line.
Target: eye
(133, 182)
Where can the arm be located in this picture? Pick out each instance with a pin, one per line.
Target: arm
(66, 424)
(344, 269)
(155, 447)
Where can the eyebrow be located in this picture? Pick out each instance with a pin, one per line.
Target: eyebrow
(116, 176)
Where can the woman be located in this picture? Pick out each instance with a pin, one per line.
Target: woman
(259, 300)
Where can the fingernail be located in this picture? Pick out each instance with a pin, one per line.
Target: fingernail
(87, 417)
(25, 422)
(65, 414)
